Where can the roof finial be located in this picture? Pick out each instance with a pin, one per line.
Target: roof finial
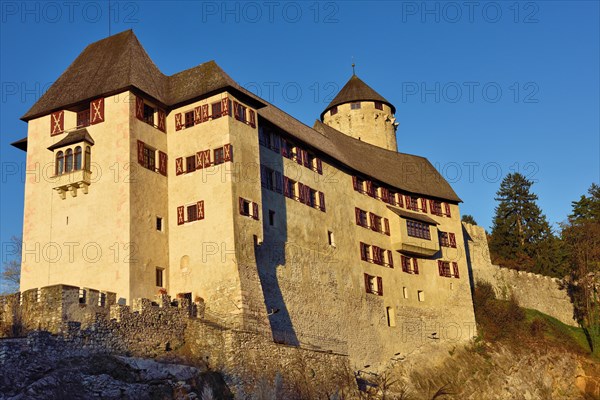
(353, 72)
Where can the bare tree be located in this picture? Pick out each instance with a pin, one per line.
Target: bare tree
(10, 275)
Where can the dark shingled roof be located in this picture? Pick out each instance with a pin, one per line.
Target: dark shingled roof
(411, 215)
(20, 144)
(76, 136)
(119, 63)
(356, 90)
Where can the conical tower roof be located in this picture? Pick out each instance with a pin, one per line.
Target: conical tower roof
(356, 90)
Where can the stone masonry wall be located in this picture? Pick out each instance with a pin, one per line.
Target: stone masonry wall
(534, 291)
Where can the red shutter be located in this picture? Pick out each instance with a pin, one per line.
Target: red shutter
(299, 155)
(424, 205)
(363, 253)
(367, 286)
(415, 266)
(140, 152)
(380, 286)
(322, 201)
(305, 159)
(370, 189)
(139, 108)
(390, 259)
(440, 268)
(377, 255)
(236, 110)
(206, 158)
(199, 160)
(278, 181)
(408, 202)
(455, 268)
(357, 215)
(200, 206)
(162, 163)
(386, 226)
(197, 115)
(205, 113)
(180, 217)
(355, 183)
(225, 106)
(252, 119)
(301, 192)
(403, 263)
(399, 203)
(319, 166)
(447, 207)
(179, 166)
(255, 211)
(97, 111)
(57, 122)
(178, 122)
(452, 238)
(227, 153)
(241, 204)
(162, 120)
(286, 190)
(372, 221)
(432, 208)
(385, 195)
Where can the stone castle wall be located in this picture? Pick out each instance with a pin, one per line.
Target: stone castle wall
(534, 291)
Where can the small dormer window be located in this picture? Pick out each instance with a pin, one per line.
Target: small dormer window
(378, 105)
(355, 105)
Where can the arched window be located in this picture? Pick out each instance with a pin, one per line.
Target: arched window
(60, 160)
(77, 158)
(88, 158)
(69, 161)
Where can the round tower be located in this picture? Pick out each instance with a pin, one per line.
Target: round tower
(361, 112)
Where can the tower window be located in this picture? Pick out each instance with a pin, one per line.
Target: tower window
(355, 105)
(192, 213)
(159, 224)
(148, 114)
(334, 110)
(391, 317)
(271, 218)
(190, 164)
(189, 119)
(219, 156)
(159, 276)
(83, 118)
(216, 109)
(330, 238)
(421, 295)
(378, 105)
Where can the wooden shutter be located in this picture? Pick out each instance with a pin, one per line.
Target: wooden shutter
(178, 122)
(319, 166)
(162, 120)
(200, 206)
(179, 166)
(301, 192)
(97, 111)
(424, 205)
(197, 115)
(241, 204)
(363, 253)
(379, 286)
(252, 119)
(455, 268)
(255, 211)
(57, 122)
(236, 110)
(399, 201)
(440, 268)
(415, 266)
(278, 181)
(452, 239)
(227, 152)
(372, 221)
(385, 195)
(357, 215)
(139, 108)
(140, 152)
(386, 226)
(447, 208)
(180, 216)
(367, 286)
(286, 189)
(377, 255)
(370, 189)
(390, 258)
(204, 112)
(162, 163)
(199, 159)
(432, 207)
(206, 158)
(299, 155)
(225, 106)
(322, 201)
(403, 263)
(305, 160)
(355, 183)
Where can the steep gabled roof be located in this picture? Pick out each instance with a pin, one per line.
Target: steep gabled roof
(76, 136)
(356, 90)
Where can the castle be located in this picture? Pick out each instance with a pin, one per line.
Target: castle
(192, 185)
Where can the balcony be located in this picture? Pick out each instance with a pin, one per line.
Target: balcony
(417, 243)
(71, 182)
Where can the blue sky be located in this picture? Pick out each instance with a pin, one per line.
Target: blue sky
(481, 89)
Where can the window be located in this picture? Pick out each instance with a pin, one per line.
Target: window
(330, 238)
(418, 229)
(445, 271)
(271, 218)
(192, 212)
(216, 110)
(359, 185)
(240, 112)
(69, 161)
(77, 165)
(373, 284)
(148, 114)
(60, 163)
(334, 110)
(189, 119)
(361, 218)
(159, 224)
(410, 265)
(421, 295)
(405, 292)
(159, 276)
(412, 203)
(83, 118)
(244, 207)
(286, 149)
(88, 158)
(376, 223)
(190, 164)
(312, 198)
(219, 156)
(264, 138)
(101, 299)
(149, 160)
(391, 317)
(355, 105)
(447, 239)
(290, 188)
(312, 161)
(447, 210)
(436, 207)
(365, 252)
(378, 255)
(378, 105)
(82, 296)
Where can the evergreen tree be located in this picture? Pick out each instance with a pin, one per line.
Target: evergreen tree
(468, 219)
(521, 237)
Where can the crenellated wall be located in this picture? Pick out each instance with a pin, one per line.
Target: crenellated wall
(534, 291)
